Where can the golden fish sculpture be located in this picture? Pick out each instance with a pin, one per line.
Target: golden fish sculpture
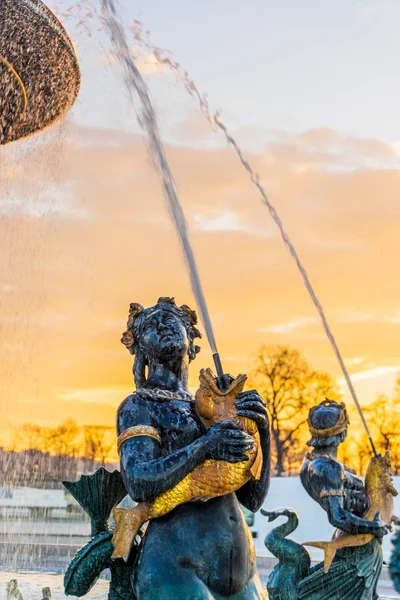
(380, 491)
(210, 479)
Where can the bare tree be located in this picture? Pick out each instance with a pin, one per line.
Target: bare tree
(64, 439)
(384, 417)
(362, 451)
(290, 387)
(29, 436)
(99, 442)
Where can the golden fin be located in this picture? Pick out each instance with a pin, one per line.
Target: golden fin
(329, 552)
(128, 522)
(208, 380)
(257, 465)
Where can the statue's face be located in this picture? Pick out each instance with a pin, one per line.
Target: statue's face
(163, 336)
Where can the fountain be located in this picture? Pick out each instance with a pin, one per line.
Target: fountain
(361, 512)
(39, 72)
(188, 461)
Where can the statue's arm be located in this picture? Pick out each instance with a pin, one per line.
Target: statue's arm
(330, 481)
(250, 405)
(144, 471)
(346, 521)
(253, 494)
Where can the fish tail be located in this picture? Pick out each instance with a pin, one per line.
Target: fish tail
(128, 522)
(329, 552)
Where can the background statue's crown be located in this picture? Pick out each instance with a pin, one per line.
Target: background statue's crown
(340, 426)
(184, 313)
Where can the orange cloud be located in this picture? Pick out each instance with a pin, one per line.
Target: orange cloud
(84, 232)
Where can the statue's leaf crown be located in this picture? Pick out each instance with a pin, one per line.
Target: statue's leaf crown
(321, 432)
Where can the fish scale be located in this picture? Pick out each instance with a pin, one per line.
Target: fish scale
(211, 479)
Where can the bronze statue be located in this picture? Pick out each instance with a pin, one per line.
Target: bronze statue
(187, 462)
(201, 549)
(361, 514)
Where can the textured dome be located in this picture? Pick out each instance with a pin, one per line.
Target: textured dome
(39, 72)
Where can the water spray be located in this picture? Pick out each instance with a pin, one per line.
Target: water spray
(256, 181)
(216, 122)
(148, 121)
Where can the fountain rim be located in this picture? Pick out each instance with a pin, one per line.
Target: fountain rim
(21, 86)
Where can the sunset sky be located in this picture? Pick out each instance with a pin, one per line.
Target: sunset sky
(311, 91)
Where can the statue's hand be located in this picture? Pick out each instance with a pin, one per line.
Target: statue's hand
(250, 404)
(380, 528)
(226, 441)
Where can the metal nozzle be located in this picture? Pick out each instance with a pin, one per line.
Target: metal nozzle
(223, 380)
(218, 365)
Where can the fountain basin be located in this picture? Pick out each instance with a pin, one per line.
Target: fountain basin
(39, 71)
